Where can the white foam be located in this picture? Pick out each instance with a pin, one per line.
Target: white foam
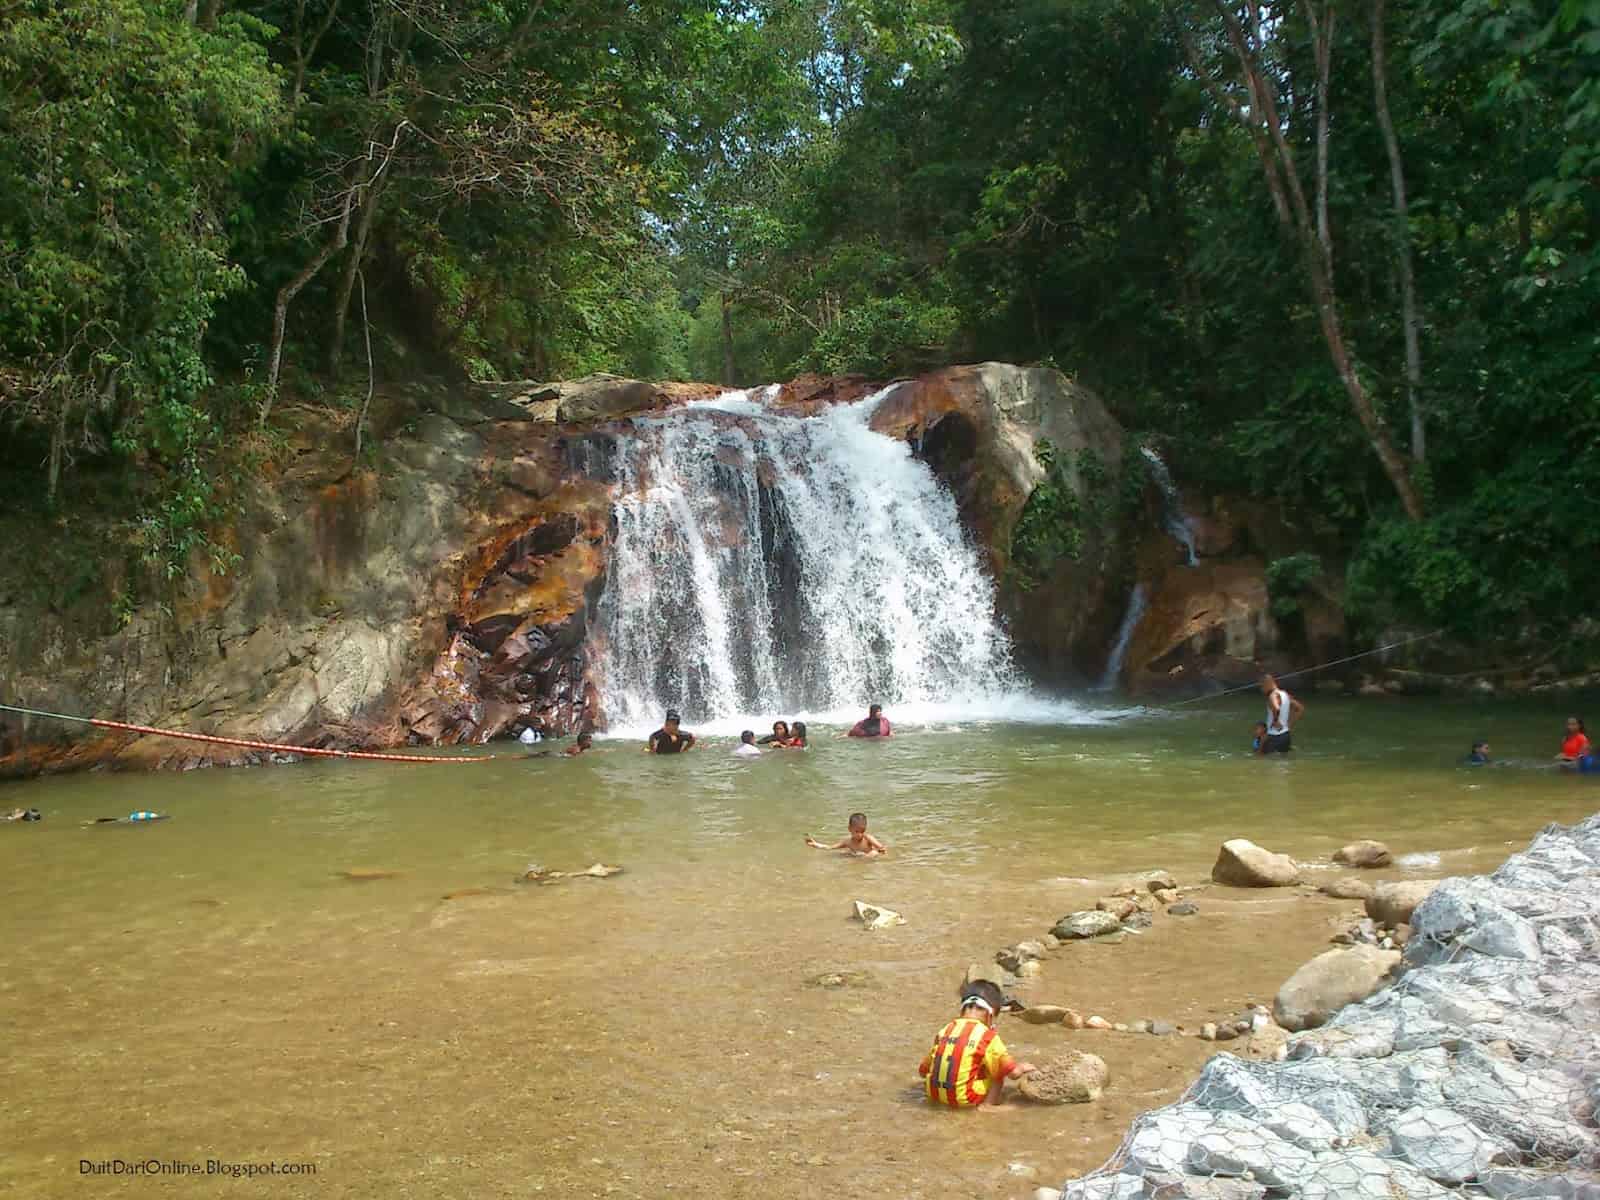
(1424, 861)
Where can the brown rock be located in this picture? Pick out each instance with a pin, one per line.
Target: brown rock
(1073, 1078)
(1044, 1014)
(1391, 904)
(1365, 854)
(1160, 881)
(1347, 888)
(1165, 896)
(1120, 907)
(368, 874)
(1242, 863)
(1328, 982)
(1073, 1019)
(1096, 1023)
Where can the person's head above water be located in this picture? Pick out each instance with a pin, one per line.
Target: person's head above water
(780, 729)
(586, 740)
(874, 710)
(858, 822)
(1259, 728)
(1575, 725)
(748, 737)
(672, 719)
(800, 731)
(983, 999)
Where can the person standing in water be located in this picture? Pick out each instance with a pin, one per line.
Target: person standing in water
(779, 735)
(876, 725)
(747, 747)
(1283, 710)
(1575, 747)
(670, 739)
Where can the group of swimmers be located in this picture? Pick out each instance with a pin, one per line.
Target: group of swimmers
(672, 738)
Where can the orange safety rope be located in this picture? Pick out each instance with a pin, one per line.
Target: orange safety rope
(365, 755)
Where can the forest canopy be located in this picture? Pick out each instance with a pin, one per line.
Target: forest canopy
(1342, 254)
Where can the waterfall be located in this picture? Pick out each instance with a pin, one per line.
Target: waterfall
(1171, 505)
(1119, 649)
(778, 566)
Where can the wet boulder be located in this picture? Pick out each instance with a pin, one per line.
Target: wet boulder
(1366, 854)
(1242, 863)
(1347, 888)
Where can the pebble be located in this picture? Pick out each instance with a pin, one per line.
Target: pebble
(1163, 1028)
(1096, 1023)
(1208, 1032)
(1165, 896)
(1141, 1026)
(1184, 908)
(1120, 1027)
(1073, 1019)
(1031, 969)
(1226, 1033)
(1161, 881)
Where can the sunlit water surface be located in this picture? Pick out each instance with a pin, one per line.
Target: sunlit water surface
(213, 986)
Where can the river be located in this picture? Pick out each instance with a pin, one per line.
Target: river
(213, 987)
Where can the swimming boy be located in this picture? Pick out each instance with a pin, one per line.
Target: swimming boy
(747, 747)
(670, 739)
(968, 1064)
(583, 745)
(859, 842)
(1480, 755)
(1258, 738)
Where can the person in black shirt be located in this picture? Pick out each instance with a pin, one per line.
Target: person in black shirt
(670, 739)
(779, 735)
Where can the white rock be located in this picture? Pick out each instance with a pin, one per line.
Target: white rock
(1501, 933)
(1254, 1153)
(1444, 1145)
(876, 917)
(1368, 1177)
(1161, 1139)
(1104, 1187)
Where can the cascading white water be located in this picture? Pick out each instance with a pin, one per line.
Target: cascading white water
(1137, 603)
(1171, 504)
(776, 565)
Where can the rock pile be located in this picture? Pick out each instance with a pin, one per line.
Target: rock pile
(1476, 1074)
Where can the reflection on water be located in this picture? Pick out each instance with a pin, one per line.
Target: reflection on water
(211, 984)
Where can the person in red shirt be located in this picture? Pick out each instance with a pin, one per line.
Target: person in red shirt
(1576, 744)
(876, 725)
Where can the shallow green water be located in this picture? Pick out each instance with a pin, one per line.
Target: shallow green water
(161, 974)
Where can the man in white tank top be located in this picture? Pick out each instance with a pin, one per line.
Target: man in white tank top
(1283, 710)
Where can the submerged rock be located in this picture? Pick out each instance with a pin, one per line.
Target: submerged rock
(1184, 908)
(1347, 888)
(1072, 1078)
(1366, 854)
(1242, 863)
(1330, 981)
(874, 917)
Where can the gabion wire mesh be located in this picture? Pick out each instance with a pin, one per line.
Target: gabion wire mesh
(1476, 1074)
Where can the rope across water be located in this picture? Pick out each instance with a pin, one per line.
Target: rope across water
(313, 751)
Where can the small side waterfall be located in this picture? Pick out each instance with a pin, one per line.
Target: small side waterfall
(1119, 649)
(1172, 506)
(780, 565)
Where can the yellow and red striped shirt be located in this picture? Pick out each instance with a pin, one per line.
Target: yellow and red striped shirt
(966, 1059)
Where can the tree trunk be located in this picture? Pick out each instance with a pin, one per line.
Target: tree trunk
(729, 374)
(58, 448)
(1260, 119)
(1411, 321)
(366, 405)
(286, 295)
(347, 281)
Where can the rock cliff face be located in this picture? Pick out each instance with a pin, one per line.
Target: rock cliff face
(445, 596)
